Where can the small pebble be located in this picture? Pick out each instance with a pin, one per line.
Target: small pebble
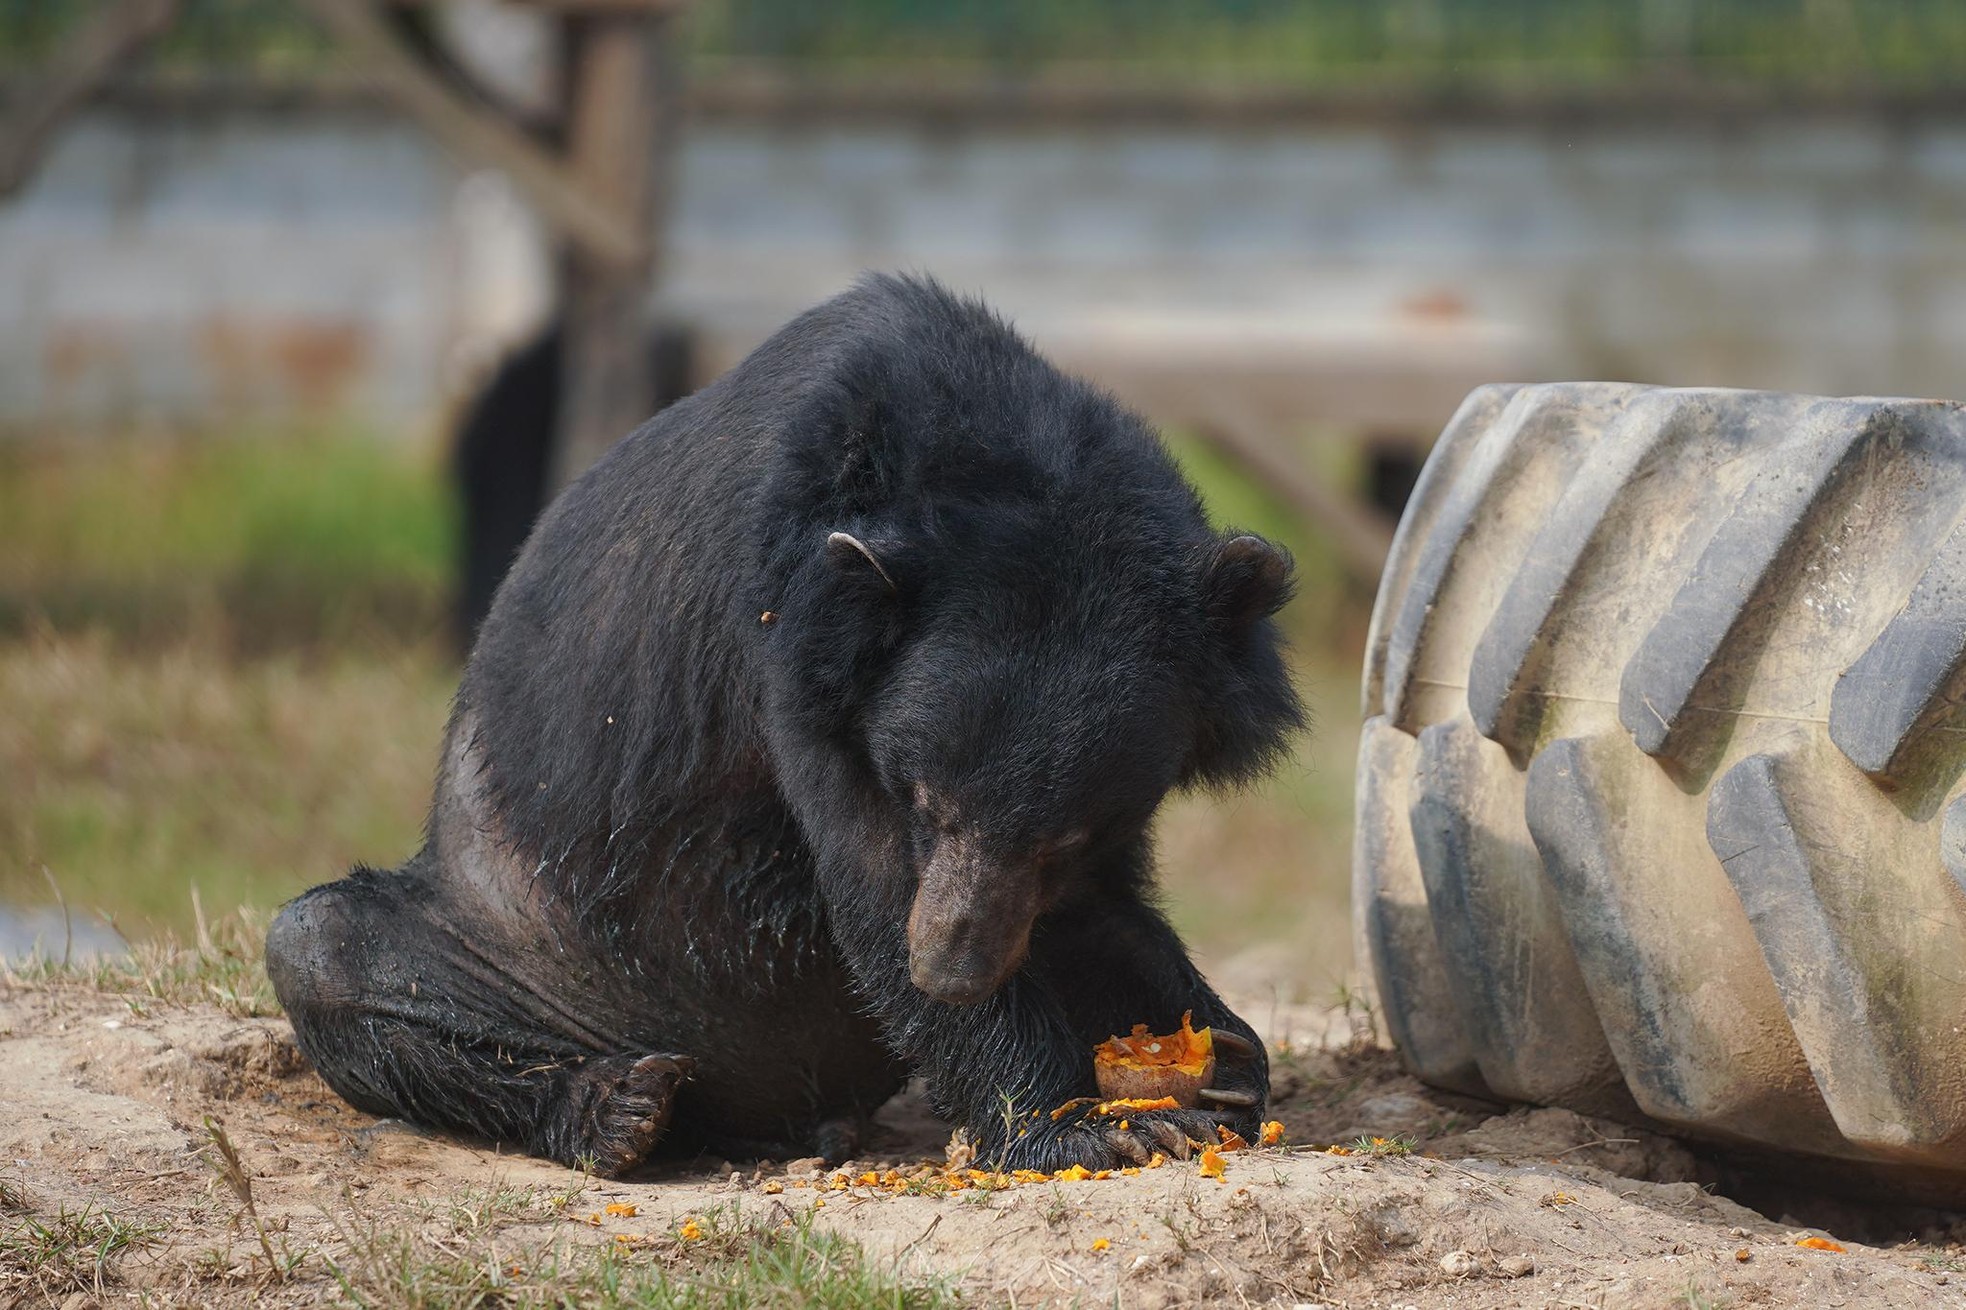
(1516, 1266)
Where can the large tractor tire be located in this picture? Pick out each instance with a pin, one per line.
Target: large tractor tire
(1659, 806)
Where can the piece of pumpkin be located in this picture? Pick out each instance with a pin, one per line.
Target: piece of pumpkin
(1147, 1066)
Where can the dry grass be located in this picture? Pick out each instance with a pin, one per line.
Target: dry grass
(512, 1256)
(224, 965)
(51, 1257)
(1270, 870)
(224, 670)
(137, 775)
(731, 1262)
(140, 775)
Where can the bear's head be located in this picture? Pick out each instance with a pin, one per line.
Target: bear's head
(1002, 631)
(1008, 699)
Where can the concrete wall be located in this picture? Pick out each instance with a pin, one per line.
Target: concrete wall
(217, 263)
(323, 255)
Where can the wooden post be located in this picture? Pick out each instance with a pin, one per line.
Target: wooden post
(624, 75)
(604, 194)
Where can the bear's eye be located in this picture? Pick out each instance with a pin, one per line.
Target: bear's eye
(933, 808)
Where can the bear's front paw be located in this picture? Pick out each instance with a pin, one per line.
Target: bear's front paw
(1115, 1142)
(1176, 1134)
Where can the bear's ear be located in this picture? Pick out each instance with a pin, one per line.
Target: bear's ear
(1247, 708)
(1245, 579)
(847, 551)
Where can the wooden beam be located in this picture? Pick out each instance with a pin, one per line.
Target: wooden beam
(82, 67)
(602, 230)
(1360, 539)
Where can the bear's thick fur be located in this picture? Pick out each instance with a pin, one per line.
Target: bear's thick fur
(813, 740)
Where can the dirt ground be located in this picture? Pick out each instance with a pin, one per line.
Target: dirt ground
(103, 1110)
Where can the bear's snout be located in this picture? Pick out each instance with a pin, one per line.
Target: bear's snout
(970, 926)
(962, 986)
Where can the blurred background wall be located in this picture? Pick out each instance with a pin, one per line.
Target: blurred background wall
(1380, 203)
(246, 298)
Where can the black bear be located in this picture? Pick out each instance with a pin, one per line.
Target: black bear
(813, 740)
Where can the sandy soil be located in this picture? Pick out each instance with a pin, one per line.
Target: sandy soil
(104, 1107)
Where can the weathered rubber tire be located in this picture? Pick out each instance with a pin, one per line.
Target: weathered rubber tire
(1659, 803)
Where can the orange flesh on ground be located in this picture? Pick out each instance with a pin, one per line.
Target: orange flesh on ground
(1185, 1050)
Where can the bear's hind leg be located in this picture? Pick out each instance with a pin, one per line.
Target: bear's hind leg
(406, 1015)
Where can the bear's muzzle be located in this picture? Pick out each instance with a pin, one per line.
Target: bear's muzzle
(970, 926)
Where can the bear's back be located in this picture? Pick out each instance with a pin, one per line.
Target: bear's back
(613, 679)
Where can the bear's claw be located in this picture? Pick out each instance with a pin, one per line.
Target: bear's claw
(1233, 1044)
(1172, 1140)
(1229, 1096)
(1127, 1146)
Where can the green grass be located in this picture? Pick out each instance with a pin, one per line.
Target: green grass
(512, 1252)
(48, 1258)
(1381, 1147)
(225, 669)
(1361, 44)
(1698, 1298)
(265, 542)
(737, 1264)
(1365, 44)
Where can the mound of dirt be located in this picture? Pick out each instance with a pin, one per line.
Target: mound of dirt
(1429, 1200)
